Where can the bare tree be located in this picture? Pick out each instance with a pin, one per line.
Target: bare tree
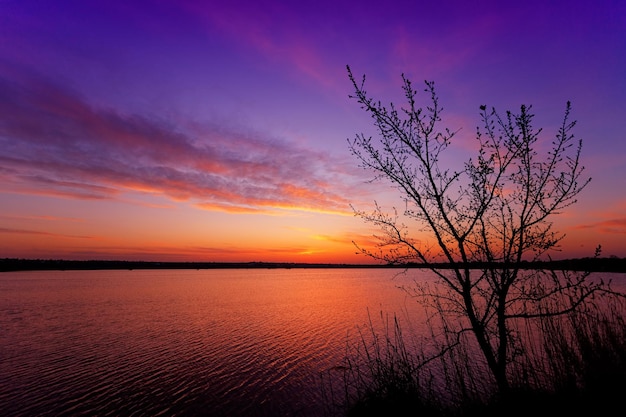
(484, 218)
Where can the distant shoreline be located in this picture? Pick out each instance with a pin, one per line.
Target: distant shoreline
(12, 264)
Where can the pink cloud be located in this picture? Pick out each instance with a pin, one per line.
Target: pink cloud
(40, 233)
(300, 40)
(56, 143)
(166, 253)
(45, 218)
(610, 226)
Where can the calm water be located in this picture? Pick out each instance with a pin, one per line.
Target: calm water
(181, 342)
(184, 342)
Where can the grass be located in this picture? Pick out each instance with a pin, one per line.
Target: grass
(573, 364)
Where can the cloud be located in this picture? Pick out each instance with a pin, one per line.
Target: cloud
(333, 239)
(44, 218)
(230, 208)
(56, 143)
(307, 42)
(40, 233)
(169, 253)
(610, 226)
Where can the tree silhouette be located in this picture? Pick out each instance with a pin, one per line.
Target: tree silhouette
(494, 211)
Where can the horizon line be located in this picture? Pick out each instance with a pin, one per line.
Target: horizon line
(600, 264)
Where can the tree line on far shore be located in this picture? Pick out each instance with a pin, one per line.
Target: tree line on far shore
(610, 264)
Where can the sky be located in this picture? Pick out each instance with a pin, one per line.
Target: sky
(187, 130)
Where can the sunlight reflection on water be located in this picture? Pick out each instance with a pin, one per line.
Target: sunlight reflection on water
(184, 342)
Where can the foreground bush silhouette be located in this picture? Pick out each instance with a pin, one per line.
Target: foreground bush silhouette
(573, 364)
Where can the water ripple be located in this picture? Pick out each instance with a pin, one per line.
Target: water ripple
(178, 343)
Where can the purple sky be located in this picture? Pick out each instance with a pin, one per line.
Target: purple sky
(213, 130)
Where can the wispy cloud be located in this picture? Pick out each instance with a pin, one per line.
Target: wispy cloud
(56, 143)
(44, 218)
(333, 239)
(611, 226)
(40, 233)
(301, 41)
(172, 253)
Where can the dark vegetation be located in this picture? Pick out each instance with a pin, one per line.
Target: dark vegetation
(573, 364)
(612, 264)
(14, 264)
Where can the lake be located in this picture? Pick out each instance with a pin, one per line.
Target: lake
(232, 342)
(244, 342)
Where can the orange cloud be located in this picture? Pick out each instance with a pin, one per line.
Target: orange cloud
(611, 226)
(227, 208)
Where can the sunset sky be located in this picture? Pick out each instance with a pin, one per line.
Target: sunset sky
(216, 130)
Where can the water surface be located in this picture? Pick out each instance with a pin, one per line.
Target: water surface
(186, 342)
(181, 342)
